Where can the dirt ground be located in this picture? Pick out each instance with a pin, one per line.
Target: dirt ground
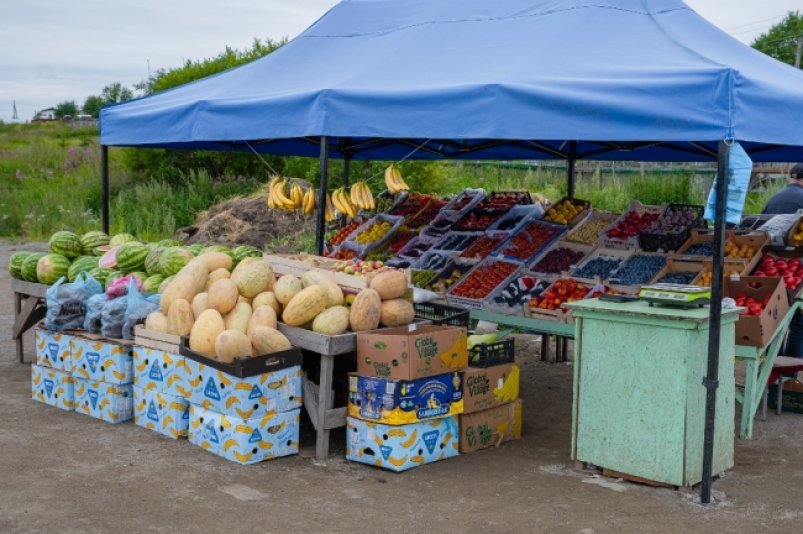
(65, 472)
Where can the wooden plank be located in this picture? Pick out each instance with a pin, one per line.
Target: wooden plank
(321, 344)
(156, 340)
(310, 391)
(335, 418)
(28, 316)
(631, 478)
(29, 288)
(156, 345)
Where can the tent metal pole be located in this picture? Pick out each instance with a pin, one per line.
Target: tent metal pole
(104, 181)
(572, 159)
(711, 380)
(321, 226)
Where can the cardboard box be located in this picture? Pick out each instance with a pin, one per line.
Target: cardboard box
(791, 240)
(102, 360)
(166, 414)
(53, 349)
(488, 387)
(411, 352)
(756, 330)
(490, 428)
(778, 227)
(113, 403)
(161, 371)
(52, 387)
(254, 396)
(401, 402)
(400, 448)
(245, 441)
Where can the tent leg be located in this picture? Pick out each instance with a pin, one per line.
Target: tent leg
(570, 171)
(321, 226)
(711, 380)
(104, 181)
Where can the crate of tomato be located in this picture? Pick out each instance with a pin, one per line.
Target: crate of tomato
(484, 245)
(551, 303)
(480, 282)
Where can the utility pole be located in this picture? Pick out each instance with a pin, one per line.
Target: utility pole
(799, 51)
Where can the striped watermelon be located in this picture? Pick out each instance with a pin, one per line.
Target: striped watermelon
(51, 267)
(131, 256)
(142, 276)
(152, 283)
(196, 249)
(119, 239)
(169, 243)
(100, 274)
(67, 244)
(82, 264)
(173, 259)
(152, 261)
(28, 270)
(15, 264)
(92, 240)
(245, 251)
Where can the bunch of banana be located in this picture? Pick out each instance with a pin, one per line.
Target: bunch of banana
(343, 203)
(297, 196)
(308, 203)
(393, 179)
(362, 197)
(277, 198)
(330, 209)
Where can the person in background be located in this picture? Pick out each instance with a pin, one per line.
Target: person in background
(789, 200)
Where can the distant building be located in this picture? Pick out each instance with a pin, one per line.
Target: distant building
(48, 114)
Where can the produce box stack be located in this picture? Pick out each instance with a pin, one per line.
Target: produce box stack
(406, 395)
(103, 373)
(51, 376)
(491, 404)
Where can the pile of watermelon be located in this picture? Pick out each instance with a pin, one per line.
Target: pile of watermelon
(107, 258)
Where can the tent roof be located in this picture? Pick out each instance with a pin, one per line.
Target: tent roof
(472, 79)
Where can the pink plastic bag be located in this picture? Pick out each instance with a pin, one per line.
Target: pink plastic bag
(118, 287)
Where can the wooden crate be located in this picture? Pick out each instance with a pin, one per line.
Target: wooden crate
(597, 253)
(156, 340)
(593, 218)
(300, 264)
(630, 243)
(674, 265)
(578, 247)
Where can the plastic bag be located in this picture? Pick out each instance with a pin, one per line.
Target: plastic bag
(741, 167)
(138, 308)
(114, 312)
(120, 286)
(66, 303)
(94, 309)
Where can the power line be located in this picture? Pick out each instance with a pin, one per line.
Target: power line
(754, 22)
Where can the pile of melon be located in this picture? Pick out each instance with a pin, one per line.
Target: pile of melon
(233, 314)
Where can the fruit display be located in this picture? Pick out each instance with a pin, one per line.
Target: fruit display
(361, 196)
(589, 231)
(706, 248)
(433, 261)
(600, 266)
(419, 278)
(484, 246)
(344, 232)
(565, 211)
(375, 231)
(456, 241)
(678, 277)
(513, 218)
(342, 253)
(51, 267)
(638, 269)
(466, 200)
(394, 181)
(449, 276)
(533, 237)
(558, 260)
(518, 291)
(400, 239)
(706, 277)
(796, 235)
(411, 204)
(284, 195)
(561, 291)
(751, 306)
(416, 247)
(343, 204)
(736, 250)
(790, 269)
(669, 231)
(632, 223)
(503, 201)
(358, 267)
(478, 220)
(481, 281)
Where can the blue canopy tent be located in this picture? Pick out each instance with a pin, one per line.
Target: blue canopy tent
(508, 79)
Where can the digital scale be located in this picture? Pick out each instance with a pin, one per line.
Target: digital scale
(680, 295)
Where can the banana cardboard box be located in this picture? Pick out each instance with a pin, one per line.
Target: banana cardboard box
(161, 412)
(400, 448)
(245, 441)
(98, 359)
(52, 387)
(488, 387)
(490, 428)
(413, 351)
(113, 403)
(162, 371)
(53, 349)
(255, 396)
(401, 402)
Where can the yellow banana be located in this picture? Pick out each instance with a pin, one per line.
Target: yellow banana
(297, 196)
(351, 211)
(390, 183)
(341, 202)
(369, 196)
(330, 209)
(309, 202)
(284, 201)
(399, 180)
(354, 195)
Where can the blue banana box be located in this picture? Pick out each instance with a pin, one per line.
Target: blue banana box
(399, 448)
(161, 371)
(163, 413)
(255, 396)
(113, 403)
(245, 441)
(101, 359)
(52, 387)
(401, 402)
(53, 349)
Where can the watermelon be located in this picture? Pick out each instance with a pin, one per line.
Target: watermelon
(109, 259)
(142, 276)
(15, 264)
(152, 261)
(67, 244)
(119, 239)
(196, 249)
(152, 283)
(81, 264)
(131, 256)
(102, 250)
(100, 274)
(219, 248)
(51, 267)
(92, 240)
(28, 270)
(245, 251)
(169, 243)
(173, 259)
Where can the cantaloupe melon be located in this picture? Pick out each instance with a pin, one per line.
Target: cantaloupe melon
(266, 340)
(222, 296)
(366, 311)
(287, 287)
(180, 318)
(232, 345)
(332, 321)
(237, 319)
(305, 306)
(397, 312)
(262, 316)
(205, 331)
(389, 284)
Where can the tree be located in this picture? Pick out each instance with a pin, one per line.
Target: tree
(68, 107)
(781, 40)
(92, 105)
(116, 92)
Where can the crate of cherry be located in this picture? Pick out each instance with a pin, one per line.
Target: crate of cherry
(399, 240)
(480, 282)
(510, 298)
(444, 222)
(465, 201)
(531, 239)
(559, 258)
(551, 303)
(484, 245)
(624, 232)
(479, 219)
(517, 216)
(457, 241)
(672, 229)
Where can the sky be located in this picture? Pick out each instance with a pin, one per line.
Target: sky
(57, 50)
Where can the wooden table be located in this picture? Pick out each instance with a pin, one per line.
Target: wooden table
(29, 309)
(759, 366)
